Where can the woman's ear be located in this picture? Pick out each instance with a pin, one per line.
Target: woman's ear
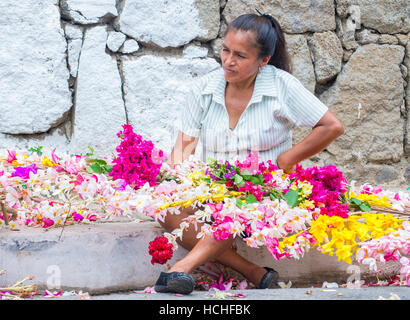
(264, 62)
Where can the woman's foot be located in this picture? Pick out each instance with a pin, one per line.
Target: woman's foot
(269, 279)
(175, 282)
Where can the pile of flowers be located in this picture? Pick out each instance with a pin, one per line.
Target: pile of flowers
(138, 161)
(46, 189)
(288, 213)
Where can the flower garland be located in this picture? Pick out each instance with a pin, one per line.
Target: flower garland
(48, 190)
(289, 214)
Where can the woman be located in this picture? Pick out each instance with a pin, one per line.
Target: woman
(256, 94)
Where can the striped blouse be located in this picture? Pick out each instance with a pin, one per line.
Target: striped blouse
(279, 102)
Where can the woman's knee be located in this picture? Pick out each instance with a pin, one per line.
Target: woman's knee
(173, 221)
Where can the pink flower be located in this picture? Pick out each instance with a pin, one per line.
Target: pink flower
(12, 156)
(91, 217)
(377, 189)
(70, 167)
(222, 228)
(405, 270)
(47, 223)
(121, 185)
(147, 290)
(243, 285)
(77, 216)
(54, 157)
(49, 294)
(78, 181)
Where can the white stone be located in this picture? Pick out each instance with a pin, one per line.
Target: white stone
(73, 32)
(155, 90)
(115, 40)
(34, 91)
(88, 11)
(195, 51)
(56, 138)
(99, 108)
(169, 23)
(74, 50)
(130, 46)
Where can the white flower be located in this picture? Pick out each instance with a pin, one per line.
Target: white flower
(285, 285)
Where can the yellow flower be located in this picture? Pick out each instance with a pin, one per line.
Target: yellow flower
(372, 199)
(47, 162)
(307, 204)
(187, 203)
(344, 253)
(218, 197)
(306, 188)
(15, 163)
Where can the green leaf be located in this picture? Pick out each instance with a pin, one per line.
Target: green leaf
(107, 168)
(365, 207)
(257, 180)
(250, 198)
(96, 168)
(292, 197)
(355, 201)
(239, 203)
(37, 150)
(275, 195)
(89, 170)
(239, 181)
(92, 152)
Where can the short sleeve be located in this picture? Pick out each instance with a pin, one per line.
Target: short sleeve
(302, 107)
(191, 114)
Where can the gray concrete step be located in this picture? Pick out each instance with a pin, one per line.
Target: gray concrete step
(113, 256)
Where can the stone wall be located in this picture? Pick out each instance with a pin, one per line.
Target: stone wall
(73, 71)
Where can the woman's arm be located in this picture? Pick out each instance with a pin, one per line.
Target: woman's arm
(184, 146)
(326, 130)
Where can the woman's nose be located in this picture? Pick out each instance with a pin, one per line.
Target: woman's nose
(230, 60)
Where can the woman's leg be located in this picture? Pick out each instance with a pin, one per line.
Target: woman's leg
(207, 249)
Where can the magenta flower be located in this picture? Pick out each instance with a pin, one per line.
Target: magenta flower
(47, 223)
(24, 172)
(77, 216)
(138, 161)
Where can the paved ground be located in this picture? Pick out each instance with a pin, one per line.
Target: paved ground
(364, 293)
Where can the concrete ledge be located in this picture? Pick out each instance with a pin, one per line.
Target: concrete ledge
(113, 257)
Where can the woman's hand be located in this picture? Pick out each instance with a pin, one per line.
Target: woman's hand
(285, 164)
(184, 146)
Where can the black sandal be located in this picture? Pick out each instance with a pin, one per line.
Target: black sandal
(269, 280)
(175, 282)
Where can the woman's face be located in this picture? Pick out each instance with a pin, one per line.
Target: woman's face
(239, 56)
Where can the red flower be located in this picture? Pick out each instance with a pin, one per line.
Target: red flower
(160, 250)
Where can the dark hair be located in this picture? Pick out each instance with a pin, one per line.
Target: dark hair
(269, 37)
